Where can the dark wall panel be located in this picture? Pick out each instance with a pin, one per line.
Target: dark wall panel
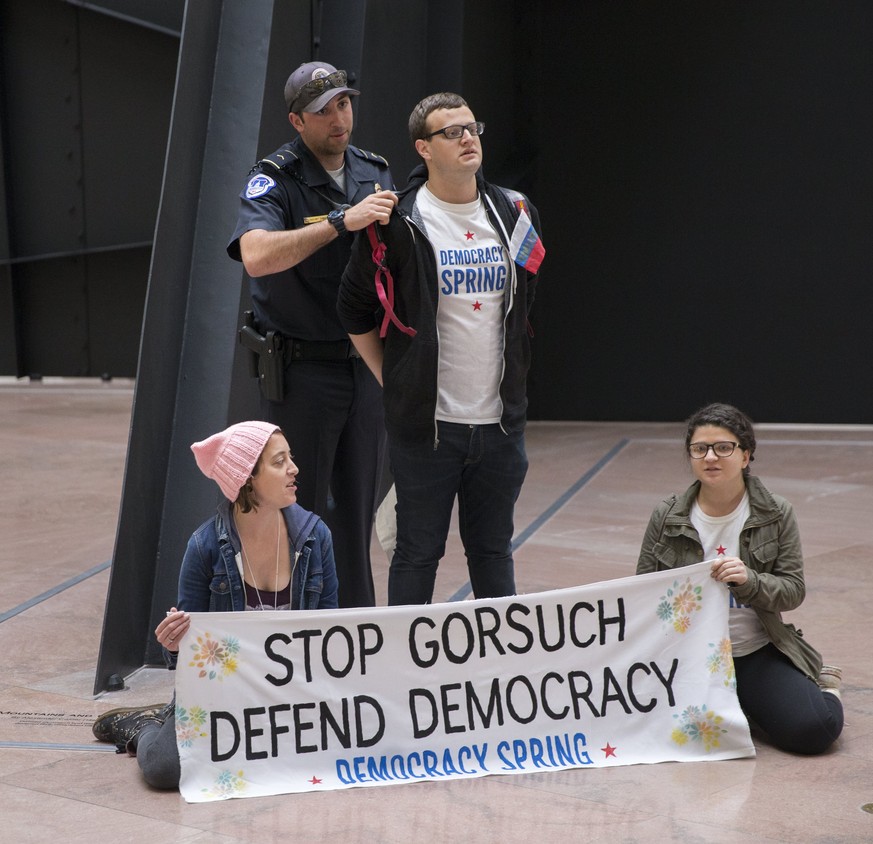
(500, 82)
(117, 283)
(43, 149)
(392, 81)
(127, 78)
(85, 313)
(707, 191)
(53, 298)
(85, 101)
(163, 15)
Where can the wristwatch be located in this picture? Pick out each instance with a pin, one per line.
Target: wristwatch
(337, 219)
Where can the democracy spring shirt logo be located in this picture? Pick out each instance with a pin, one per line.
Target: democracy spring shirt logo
(472, 270)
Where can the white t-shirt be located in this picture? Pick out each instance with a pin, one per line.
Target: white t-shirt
(720, 536)
(339, 176)
(472, 272)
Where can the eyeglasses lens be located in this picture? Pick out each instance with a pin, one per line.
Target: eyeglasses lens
(455, 132)
(722, 449)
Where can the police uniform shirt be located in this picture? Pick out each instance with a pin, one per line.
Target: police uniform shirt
(288, 190)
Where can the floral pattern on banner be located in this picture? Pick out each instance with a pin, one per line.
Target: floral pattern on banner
(698, 724)
(215, 659)
(676, 607)
(721, 661)
(189, 725)
(226, 785)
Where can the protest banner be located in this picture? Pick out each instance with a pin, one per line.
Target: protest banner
(635, 670)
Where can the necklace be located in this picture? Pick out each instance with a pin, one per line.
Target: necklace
(252, 572)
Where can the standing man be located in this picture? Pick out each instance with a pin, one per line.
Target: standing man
(462, 260)
(298, 210)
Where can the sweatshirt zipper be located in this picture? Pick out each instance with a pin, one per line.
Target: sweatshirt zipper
(413, 225)
(510, 295)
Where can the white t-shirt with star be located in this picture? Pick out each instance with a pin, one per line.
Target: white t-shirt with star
(472, 272)
(720, 536)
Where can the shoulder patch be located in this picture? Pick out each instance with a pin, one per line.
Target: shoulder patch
(259, 185)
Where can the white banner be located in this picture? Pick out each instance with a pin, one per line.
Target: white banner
(624, 672)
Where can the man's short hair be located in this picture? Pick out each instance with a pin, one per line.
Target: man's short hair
(418, 118)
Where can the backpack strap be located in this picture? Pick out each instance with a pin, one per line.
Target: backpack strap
(385, 283)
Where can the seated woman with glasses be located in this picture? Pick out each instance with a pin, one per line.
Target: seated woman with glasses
(728, 516)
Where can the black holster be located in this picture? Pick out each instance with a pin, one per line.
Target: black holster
(266, 358)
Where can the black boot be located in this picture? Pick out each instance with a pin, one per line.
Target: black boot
(122, 726)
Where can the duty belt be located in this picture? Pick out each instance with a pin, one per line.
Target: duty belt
(319, 349)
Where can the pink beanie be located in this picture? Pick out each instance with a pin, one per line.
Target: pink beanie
(229, 457)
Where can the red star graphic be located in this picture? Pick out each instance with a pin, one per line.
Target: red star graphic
(609, 750)
(469, 235)
(477, 305)
(315, 781)
(721, 550)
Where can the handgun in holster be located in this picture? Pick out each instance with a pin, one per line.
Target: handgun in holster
(266, 358)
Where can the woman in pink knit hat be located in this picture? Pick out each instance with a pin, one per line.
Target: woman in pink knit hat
(260, 551)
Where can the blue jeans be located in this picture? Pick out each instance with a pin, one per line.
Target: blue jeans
(485, 469)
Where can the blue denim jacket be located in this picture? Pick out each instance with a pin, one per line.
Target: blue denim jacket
(210, 578)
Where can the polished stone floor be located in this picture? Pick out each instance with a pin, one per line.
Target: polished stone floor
(589, 493)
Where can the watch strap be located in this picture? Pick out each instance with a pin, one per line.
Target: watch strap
(337, 219)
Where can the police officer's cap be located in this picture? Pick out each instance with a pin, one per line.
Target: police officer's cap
(313, 85)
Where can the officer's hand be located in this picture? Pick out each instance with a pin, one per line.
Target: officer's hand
(375, 208)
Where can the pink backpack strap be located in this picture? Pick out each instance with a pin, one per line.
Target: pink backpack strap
(385, 283)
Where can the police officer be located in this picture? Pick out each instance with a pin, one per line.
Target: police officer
(294, 234)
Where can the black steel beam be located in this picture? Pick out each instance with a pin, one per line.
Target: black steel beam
(188, 337)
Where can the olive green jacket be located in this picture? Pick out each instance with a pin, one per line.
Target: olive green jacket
(770, 549)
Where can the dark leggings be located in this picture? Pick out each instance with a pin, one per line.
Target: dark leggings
(158, 755)
(789, 707)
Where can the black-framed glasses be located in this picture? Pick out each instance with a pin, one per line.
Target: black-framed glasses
(699, 450)
(455, 132)
(319, 85)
